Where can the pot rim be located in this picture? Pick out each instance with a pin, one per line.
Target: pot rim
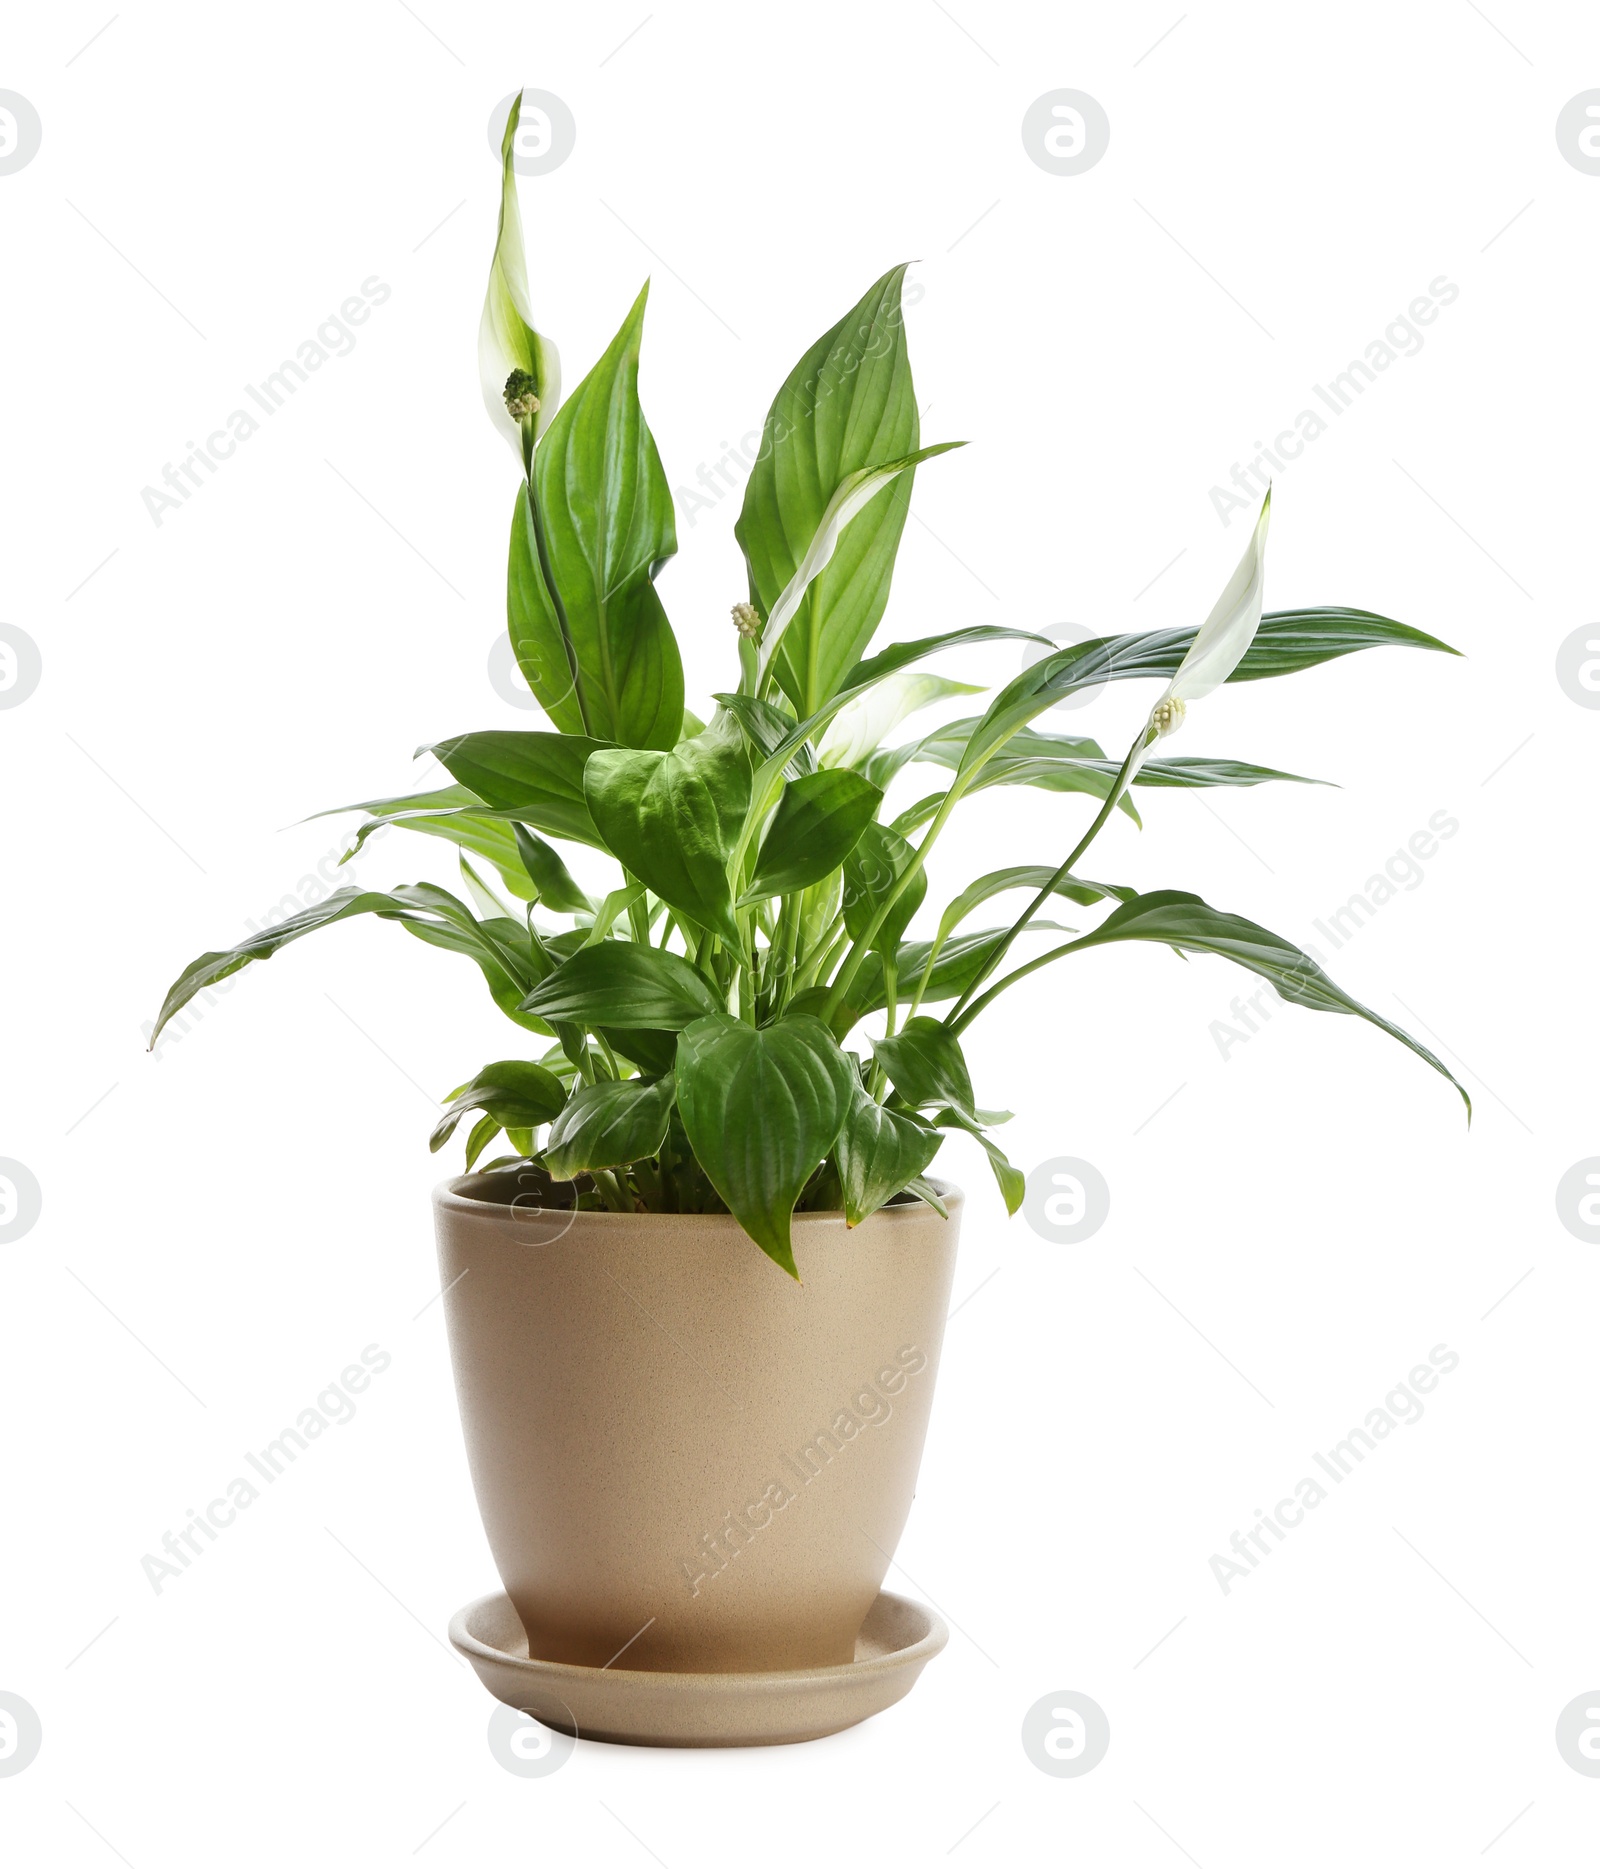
(448, 1197)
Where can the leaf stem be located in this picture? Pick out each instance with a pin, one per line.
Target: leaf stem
(998, 953)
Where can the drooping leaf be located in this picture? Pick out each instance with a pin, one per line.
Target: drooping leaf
(1013, 1184)
(535, 777)
(871, 873)
(513, 1092)
(672, 819)
(761, 1108)
(585, 550)
(507, 340)
(607, 1124)
(553, 881)
(819, 821)
(847, 404)
(879, 1152)
(1181, 920)
(625, 985)
(924, 1063)
(431, 913)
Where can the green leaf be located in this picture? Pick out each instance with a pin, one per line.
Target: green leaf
(871, 871)
(761, 1109)
(507, 340)
(1059, 762)
(1030, 876)
(625, 985)
(879, 1152)
(672, 819)
(584, 555)
(924, 1063)
(1286, 642)
(819, 821)
(852, 496)
(1183, 921)
(554, 883)
(1013, 1184)
(766, 727)
(848, 404)
(608, 1124)
(432, 914)
(514, 1093)
(535, 777)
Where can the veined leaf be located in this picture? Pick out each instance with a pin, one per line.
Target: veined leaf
(879, 1152)
(585, 554)
(924, 1063)
(847, 404)
(507, 340)
(514, 1093)
(672, 819)
(761, 1108)
(553, 882)
(1184, 921)
(852, 495)
(535, 777)
(1285, 642)
(871, 872)
(766, 727)
(819, 821)
(607, 1124)
(626, 985)
(433, 914)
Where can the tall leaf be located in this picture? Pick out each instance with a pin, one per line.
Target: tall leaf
(848, 404)
(587, 559)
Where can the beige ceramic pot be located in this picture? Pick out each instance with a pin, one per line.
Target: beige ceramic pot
(684, 1460)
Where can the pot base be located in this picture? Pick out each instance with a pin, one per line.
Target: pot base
(630, 1707)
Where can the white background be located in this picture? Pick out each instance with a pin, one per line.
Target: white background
(226, 1226)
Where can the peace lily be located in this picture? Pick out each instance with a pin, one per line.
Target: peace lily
(1220, 645)
(519, 369)
(703, 1018)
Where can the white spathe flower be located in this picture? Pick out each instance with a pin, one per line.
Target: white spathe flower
(508, 345)
(1219, 645)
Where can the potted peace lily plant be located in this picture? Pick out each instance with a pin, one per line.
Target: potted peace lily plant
(695, 1296)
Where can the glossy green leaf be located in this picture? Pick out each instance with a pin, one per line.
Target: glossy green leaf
(514, 1093)
(585, 550)
(536, 777)
(624, 985)
(871, 872)
(1013, 1184)
(853, 495)
(879, 1153)
(1183, 921)
(1285, 642)
(924, 1063)
(819, 821)
(672, 819)
(848, 404)
(607, 1124)
(553, 882)
(429, 912)
(761, 1108)
(766, 726)
(858, 730)
(507, 340)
